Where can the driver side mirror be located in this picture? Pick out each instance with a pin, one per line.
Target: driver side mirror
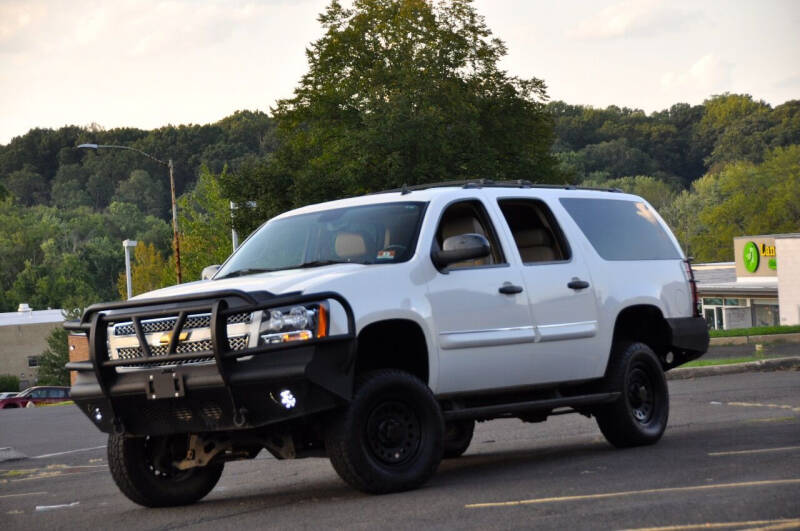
(209, 271)
(460, 248)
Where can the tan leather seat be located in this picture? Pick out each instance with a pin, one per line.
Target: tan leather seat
(350, 245)
(535, 245)
(464, 225)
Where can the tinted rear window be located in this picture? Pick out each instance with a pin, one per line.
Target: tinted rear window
(621, 230)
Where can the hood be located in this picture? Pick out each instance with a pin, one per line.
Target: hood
(276, 282)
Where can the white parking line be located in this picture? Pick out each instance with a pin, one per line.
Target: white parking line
(22, 494)
(634, 493)
(758, 451)
(782, 523)
(69, 452)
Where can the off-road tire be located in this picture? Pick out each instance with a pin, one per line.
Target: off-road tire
(390, 437)
(639, 416)
(131, 467)
(457, 436)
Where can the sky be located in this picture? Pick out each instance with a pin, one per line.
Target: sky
(149, 63)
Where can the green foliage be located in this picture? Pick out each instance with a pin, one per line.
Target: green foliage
(660, 194)
(205, 221)
(746, 198)
(721, 361)
(9, 382)
(755, 331)
(404, 92)
(54, 358)
(28, 186)
(397, 91)
(149, 270)
(150, 195)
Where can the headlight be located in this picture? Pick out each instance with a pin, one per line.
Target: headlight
(295, 323)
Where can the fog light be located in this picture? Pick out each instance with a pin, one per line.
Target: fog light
(97, 414)
(287, 399)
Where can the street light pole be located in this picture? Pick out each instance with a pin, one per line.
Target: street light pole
(175, 243)
(128, 245)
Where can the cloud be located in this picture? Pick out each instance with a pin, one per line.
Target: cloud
(16, 17)
(709, 74)
(788, 83)
(632, 18)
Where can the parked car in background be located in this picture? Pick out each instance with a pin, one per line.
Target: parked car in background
(34, 396)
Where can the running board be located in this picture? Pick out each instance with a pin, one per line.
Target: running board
(500, 410)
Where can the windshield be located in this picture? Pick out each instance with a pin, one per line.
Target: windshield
(371, 234)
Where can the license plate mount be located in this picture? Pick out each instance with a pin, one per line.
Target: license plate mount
(164, 385)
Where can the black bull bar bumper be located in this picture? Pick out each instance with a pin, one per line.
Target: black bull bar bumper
(217, 389)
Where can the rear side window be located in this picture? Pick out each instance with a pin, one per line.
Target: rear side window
(621, 230)
(536, 233)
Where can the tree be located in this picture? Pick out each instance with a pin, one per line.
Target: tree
(746, 198)
(659, 193)
(150, 270)
(205, 220)
(9, 382)
(149, 194)
(28, 186)
(52, 361)
(407, 91)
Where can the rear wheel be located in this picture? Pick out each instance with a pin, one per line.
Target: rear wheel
(389, 438)
(639, 416)
(457, 436)
(142, 468)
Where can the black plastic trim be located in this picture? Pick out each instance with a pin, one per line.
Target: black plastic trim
(502, 410)
(325, 363)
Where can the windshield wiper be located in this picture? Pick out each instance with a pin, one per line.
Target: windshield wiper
(320, 263)
(242, 272)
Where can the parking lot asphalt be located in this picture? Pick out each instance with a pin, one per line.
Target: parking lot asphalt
(730, 456)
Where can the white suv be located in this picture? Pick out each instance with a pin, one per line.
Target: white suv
(376, 330)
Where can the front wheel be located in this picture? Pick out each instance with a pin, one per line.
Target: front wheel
(389, 438)
(142, 469)
(639, 416)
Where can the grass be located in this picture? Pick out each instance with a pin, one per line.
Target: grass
(755, 331)
(723, 361)
(64, 403)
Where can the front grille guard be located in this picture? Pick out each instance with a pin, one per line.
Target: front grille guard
(220, 304)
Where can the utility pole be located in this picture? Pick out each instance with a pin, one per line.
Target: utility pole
(175, 242)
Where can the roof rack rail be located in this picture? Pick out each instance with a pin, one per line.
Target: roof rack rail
(488, 183)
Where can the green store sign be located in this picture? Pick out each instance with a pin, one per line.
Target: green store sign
(752, 256)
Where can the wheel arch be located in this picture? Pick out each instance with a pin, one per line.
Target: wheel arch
(394, 344)
(643, 323)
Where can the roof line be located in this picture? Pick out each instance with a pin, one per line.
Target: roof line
(489, 183)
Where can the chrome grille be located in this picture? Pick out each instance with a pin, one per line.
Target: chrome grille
(151, 326)
(130, 353)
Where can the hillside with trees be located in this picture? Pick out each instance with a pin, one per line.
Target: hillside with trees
(419, 100)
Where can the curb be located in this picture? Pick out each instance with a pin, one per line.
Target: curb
(774, 364)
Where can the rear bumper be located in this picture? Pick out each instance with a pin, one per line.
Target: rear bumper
(242, 389)
(688, 339)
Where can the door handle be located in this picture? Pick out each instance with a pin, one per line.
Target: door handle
(509, 289)
(577, 283)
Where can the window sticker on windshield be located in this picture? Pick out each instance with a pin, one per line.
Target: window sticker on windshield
(385, 255)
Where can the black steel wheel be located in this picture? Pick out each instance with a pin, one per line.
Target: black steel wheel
(457, 437)
(393, 432)
(142, 468)
(389, 438)
(640, 414)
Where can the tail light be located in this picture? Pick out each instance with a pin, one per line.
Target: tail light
(687, 264)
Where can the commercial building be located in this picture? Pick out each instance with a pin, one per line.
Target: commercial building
(23, 337)
(761, 287)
